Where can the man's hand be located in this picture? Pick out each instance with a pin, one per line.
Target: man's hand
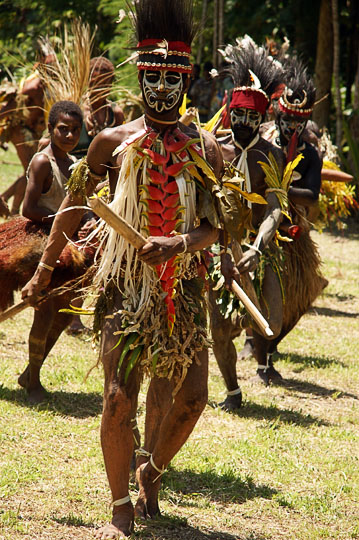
(249, 261)
(87, 228)
(34, 290)
(229, 270)
(160, 249)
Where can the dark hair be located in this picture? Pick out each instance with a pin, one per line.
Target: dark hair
(64, 107)
(102, 64)
(247, 55)
(298, 80)
(164, 19)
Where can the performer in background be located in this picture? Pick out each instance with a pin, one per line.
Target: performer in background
(255, 78)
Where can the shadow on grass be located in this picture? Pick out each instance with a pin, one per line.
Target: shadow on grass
(77, 405)
(220, 488)
(170, 528)
(341, 297)
(327, 312)
(311, 388)
(262, 412)
(311, 361)
(164, 527)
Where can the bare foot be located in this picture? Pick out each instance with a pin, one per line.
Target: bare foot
(270, 375)
(247, 351)
(23, 380)
(231, 403)
(147, 502)
(36, 393)
(121, 525)
(76, 327)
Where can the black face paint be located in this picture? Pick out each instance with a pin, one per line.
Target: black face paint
(162, 90)
(245, 124)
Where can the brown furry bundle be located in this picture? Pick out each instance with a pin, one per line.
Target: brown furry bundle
(302, 279)
(22, 243)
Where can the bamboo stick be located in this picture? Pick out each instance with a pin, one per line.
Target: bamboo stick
(117, 223)
(245, 277)
(14, 310)
(251, 308)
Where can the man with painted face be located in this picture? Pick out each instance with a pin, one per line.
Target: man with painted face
(295, 107)
(255, 77)
(302, 280)
(151, 309)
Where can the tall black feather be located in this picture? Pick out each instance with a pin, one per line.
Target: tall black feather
(164, 19)
(297, 79)
(248, 56)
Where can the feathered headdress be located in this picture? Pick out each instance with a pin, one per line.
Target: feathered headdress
(299, 93)
(164, 31)
(256, 75)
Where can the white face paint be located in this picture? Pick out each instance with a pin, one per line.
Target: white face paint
(245, 124)
(288, 125)
(162, 90)
(245, 117)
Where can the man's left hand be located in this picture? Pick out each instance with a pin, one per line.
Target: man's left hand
(249, 261)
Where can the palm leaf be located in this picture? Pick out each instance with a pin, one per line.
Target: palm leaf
(132, 362)
(129, 341)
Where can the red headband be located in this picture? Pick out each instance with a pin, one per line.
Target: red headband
(249, 98)
(176, 56)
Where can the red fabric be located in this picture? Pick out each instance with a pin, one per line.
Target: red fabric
(172, 45)
(292, 147)
(249, 99)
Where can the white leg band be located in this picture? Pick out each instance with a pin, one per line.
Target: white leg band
(234, 392)
(160, 471)
(142, 452)
(260, 366)
(122, 501)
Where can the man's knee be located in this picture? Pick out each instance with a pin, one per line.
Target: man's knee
(117, 401)
(276, 328)
(192, 405)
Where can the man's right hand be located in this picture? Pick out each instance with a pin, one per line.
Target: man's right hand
(229, 270)
(34, 289)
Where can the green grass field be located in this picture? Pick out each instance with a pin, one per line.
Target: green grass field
(285, 467)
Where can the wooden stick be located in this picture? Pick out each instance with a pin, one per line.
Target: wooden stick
(245, 277)
(332, 175)
(251, 308)
(14, 310)
(248, 297)
(117, 223)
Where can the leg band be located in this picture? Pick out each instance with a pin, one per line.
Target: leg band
(234, 392)
(122, 501)
(134, 427)
(142, 452)
(160, 471)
